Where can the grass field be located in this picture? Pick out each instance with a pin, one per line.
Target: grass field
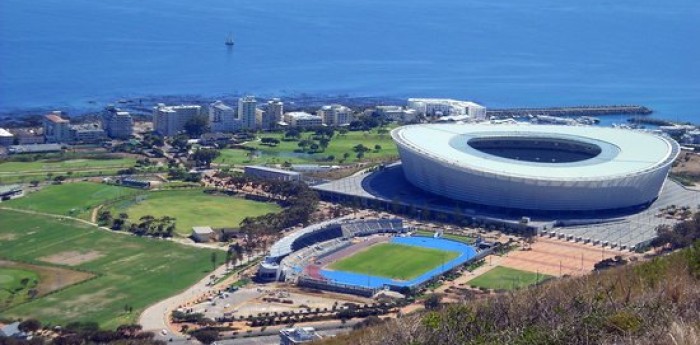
(15, 284)
(507, 278)
(75, 199)
(11, 172)
(339, 145)
(132, 271)
(458, 238)
(394, 261)
(193, 208)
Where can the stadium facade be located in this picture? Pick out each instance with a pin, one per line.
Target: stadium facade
(528, 167)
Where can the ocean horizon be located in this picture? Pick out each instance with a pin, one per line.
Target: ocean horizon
(81, 54)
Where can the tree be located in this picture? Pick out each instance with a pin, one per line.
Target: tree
(205, 156)
(377, 147)
(206, 336)
(213, 259)
(197, 126)
(29, 325)
(433, 301)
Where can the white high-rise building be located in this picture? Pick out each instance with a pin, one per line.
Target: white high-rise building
(223, 118)
(273, 114)
(56, 128)
(117, 124)
(246, 111)
(447, 107)
(335, 115)
(170, 120)
(302, 119)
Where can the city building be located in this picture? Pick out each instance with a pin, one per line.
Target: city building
(170, 120)
(27, 136)
(298, 335)
(541, 168)
(87, 133)
(335, 115)
(56, 128)
(397, 113)
(247, 107)
(267, 173)
(275, 110)
(117, 124)
(34, 148)
(6, 138)
(223, 118)
(691, 137)
(302, 119)
(447, 107)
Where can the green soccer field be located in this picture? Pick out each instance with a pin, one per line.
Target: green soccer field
(129, 270)
(507, 278)
(395, 261)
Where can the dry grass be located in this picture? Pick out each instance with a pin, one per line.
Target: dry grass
(644, 303)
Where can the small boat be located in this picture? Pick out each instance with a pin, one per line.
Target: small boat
(229, 40)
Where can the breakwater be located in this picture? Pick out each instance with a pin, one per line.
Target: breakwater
(572, 111)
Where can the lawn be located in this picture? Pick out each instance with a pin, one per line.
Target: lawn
(394, 261)
(340, 144)
(14, 285)
(131, 271)
(507, 278)
(193, 208)
(75, 199)
(13, 171)
(458, 238)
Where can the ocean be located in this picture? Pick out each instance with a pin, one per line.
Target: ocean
(86, 53)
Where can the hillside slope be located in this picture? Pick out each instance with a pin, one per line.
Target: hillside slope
(653, 302)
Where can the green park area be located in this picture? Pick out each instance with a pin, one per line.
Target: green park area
(507, 279)
(454, 237)
(25, 171)
(15, 285)
(127, 273)
(73, 199)
(341, 148)
(192, 208)
(394, 261)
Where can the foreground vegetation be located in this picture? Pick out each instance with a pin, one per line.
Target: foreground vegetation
(131, 272)
(394, 261)
(644, 303)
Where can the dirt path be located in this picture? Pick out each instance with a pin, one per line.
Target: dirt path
(93, 215)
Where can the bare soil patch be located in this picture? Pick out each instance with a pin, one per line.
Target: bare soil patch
(72, 257)
(50, 278)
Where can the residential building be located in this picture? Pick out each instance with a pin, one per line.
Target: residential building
(6, 138)
(56, 128)
(447, 107)
(117, 124)
(397, 113)
(247, 111)
(267, 173)
(298, 335)
(275, 108)
(87, 133)
(170, 120)
(223, 118)
(27, 136)
(34, 148)
(302, 119)
(335, 115)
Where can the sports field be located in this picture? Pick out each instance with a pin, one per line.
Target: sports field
(74, 199)
(507, 278)
(395, 261)
(14, 171)
(339, 145)
(131, 271)
(193, 208)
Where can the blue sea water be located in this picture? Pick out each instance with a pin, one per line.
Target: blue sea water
(498, 52)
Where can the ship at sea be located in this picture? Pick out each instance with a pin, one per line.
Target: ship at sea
(229, 40)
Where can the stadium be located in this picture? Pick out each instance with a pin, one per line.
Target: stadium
(552, 168)
(362, 257)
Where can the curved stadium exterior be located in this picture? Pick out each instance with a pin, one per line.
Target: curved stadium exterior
(537, 167)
